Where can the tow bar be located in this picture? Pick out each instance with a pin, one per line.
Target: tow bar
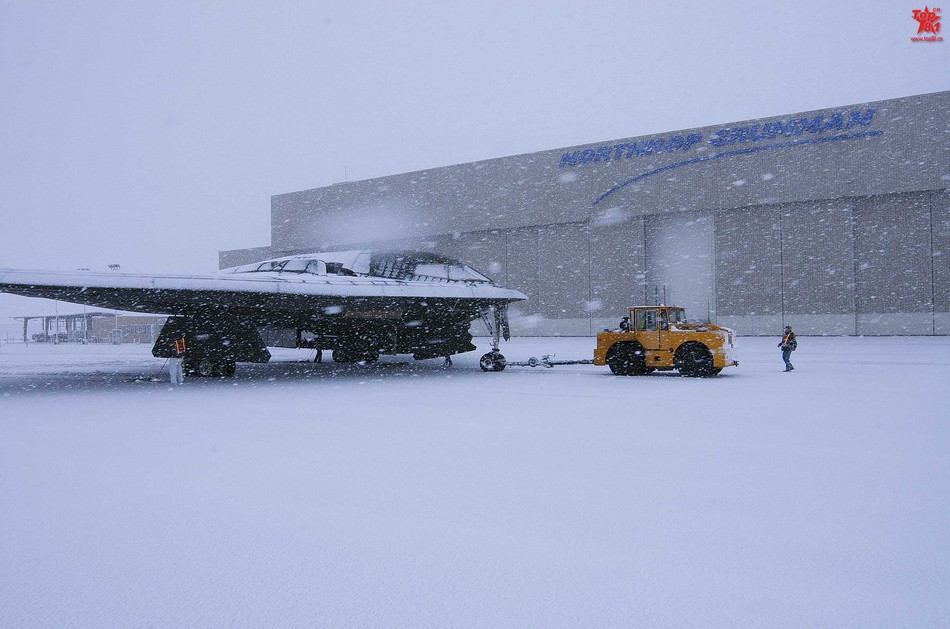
(547, 360)
(495, 361)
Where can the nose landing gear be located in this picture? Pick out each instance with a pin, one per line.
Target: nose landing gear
(492, 361)
(495, 360)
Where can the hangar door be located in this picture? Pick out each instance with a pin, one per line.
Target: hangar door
(681, 262)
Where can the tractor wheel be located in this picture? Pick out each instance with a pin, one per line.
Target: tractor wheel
(693, 360)
(626, 359)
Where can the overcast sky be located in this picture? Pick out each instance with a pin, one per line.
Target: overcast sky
(154, 134)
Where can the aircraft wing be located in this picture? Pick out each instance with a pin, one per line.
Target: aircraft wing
(268, 297)
(401, 302)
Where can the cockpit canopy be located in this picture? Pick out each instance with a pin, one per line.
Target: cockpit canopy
(293, 265)
(417, 266)
(421, 266)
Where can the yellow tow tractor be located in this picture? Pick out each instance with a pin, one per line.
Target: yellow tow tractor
(658, 338)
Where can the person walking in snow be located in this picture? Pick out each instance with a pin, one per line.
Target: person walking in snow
(788, 344)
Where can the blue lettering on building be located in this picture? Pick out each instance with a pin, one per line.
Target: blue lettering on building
(796, 127)
(612, 152)
(728, 136)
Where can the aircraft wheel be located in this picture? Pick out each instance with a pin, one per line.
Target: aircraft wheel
(493, 361)
(368, 358)
(342, 356)
(500, 362)
(348, 356)
(207, 368)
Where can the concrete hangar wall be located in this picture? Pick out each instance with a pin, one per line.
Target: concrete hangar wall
(834, 221)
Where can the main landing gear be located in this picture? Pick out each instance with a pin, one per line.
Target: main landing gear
(495, 360)
(207, 367)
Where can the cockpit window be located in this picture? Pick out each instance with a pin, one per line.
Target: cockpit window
(422, 266)
(337, 268)
(456, 272)
(303, 265)
(271, 265)
(397, 265)
(292, 265)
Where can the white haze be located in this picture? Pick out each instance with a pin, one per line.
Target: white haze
(155, 138)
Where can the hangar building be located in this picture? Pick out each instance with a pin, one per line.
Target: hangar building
(834, 221)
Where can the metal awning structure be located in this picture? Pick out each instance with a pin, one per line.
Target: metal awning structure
(72, 325)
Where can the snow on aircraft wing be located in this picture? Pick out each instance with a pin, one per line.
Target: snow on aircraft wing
(286, 283)
(359, 304)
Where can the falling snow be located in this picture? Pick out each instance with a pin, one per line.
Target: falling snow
(405, 494)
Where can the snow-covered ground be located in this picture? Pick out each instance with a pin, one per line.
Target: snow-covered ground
(405, 495)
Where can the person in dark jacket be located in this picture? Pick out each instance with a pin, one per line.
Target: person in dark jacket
(788, 344)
